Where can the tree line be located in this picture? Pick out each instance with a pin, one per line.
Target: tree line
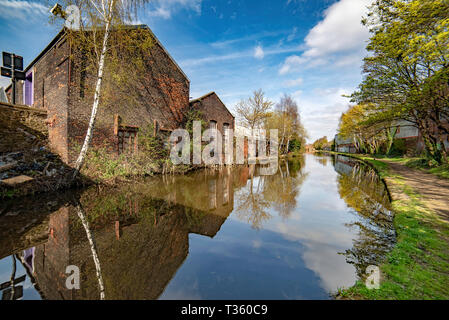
(258, 112)
(406, 78)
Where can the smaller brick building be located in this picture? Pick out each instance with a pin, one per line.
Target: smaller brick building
(214, 112)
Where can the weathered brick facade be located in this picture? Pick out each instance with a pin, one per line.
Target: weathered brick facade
(60, 87)
(213, 109)
(21, 127)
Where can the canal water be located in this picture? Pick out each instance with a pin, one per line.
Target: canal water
(313, 227)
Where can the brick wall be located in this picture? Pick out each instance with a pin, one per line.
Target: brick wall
(160, 93)
(50, 91)
(17, 126)
(213, 109)
(63, 88)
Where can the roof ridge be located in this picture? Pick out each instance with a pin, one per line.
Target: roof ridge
(202, 97)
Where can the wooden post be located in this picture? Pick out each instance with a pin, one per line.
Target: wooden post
(155, 128)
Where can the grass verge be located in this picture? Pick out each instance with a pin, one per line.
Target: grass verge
(418, 266)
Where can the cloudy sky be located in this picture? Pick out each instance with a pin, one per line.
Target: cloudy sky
(311, 49)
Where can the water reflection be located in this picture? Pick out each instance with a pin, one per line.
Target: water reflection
(359, 187)
(228, 234)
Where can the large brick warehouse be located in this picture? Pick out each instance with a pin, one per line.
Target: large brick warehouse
(57, 82)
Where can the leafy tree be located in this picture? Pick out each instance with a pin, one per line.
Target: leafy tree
(367, 137)
(406, 73)
(321, 143)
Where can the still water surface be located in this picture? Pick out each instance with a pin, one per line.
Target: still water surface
(231, 234)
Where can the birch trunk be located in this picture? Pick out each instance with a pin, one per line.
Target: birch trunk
(93, 248)
(81, 157)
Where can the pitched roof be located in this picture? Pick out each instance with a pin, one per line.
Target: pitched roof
(131, 27)
(207, 95)
(202, 97)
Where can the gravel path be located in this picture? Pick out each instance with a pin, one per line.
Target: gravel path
(434, 190)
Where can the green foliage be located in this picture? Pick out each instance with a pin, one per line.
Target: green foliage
(191, 116)
(152, 146)
(407, 71)
(295, 145)
(321, 144)
(398, 148)
(417, 268)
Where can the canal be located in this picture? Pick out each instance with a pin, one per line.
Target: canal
(313, 227)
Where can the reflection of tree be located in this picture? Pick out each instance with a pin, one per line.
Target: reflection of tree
(90, 237)
(281, 190)
(363, 191)
(322, 160)
(252, 205)
(278, 191)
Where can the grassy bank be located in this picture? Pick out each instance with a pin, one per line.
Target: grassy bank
(425, 165)
(418, 266)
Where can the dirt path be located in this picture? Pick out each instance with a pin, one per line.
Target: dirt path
(434, 190)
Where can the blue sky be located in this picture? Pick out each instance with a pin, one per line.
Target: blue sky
(311, 49)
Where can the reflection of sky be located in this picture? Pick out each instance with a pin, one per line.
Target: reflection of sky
(292, 258)
(244, 263)
(6, 266)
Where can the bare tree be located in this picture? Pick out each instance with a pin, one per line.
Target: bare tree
(254, 110)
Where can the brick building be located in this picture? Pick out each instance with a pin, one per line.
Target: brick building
(57, 82)
(215, 113)
(344, 145)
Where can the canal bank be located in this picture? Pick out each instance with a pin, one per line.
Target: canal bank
(417, 267)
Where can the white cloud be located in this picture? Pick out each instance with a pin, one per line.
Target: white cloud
(341, 29)
(339, 32)
(258, 52)
(165, 8)
(235, 55)
(291, 63)
(321, 111)
(293, 83)
(22, 10)
(292, 35)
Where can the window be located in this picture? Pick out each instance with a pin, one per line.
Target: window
(225, 127)
(127, 140)
(213, 125)
(28, 92)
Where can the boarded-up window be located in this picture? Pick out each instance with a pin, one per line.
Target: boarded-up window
(127, 140)
(28, 92)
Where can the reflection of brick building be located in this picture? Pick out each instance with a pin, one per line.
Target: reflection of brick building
(139, 253)
(56, 82)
